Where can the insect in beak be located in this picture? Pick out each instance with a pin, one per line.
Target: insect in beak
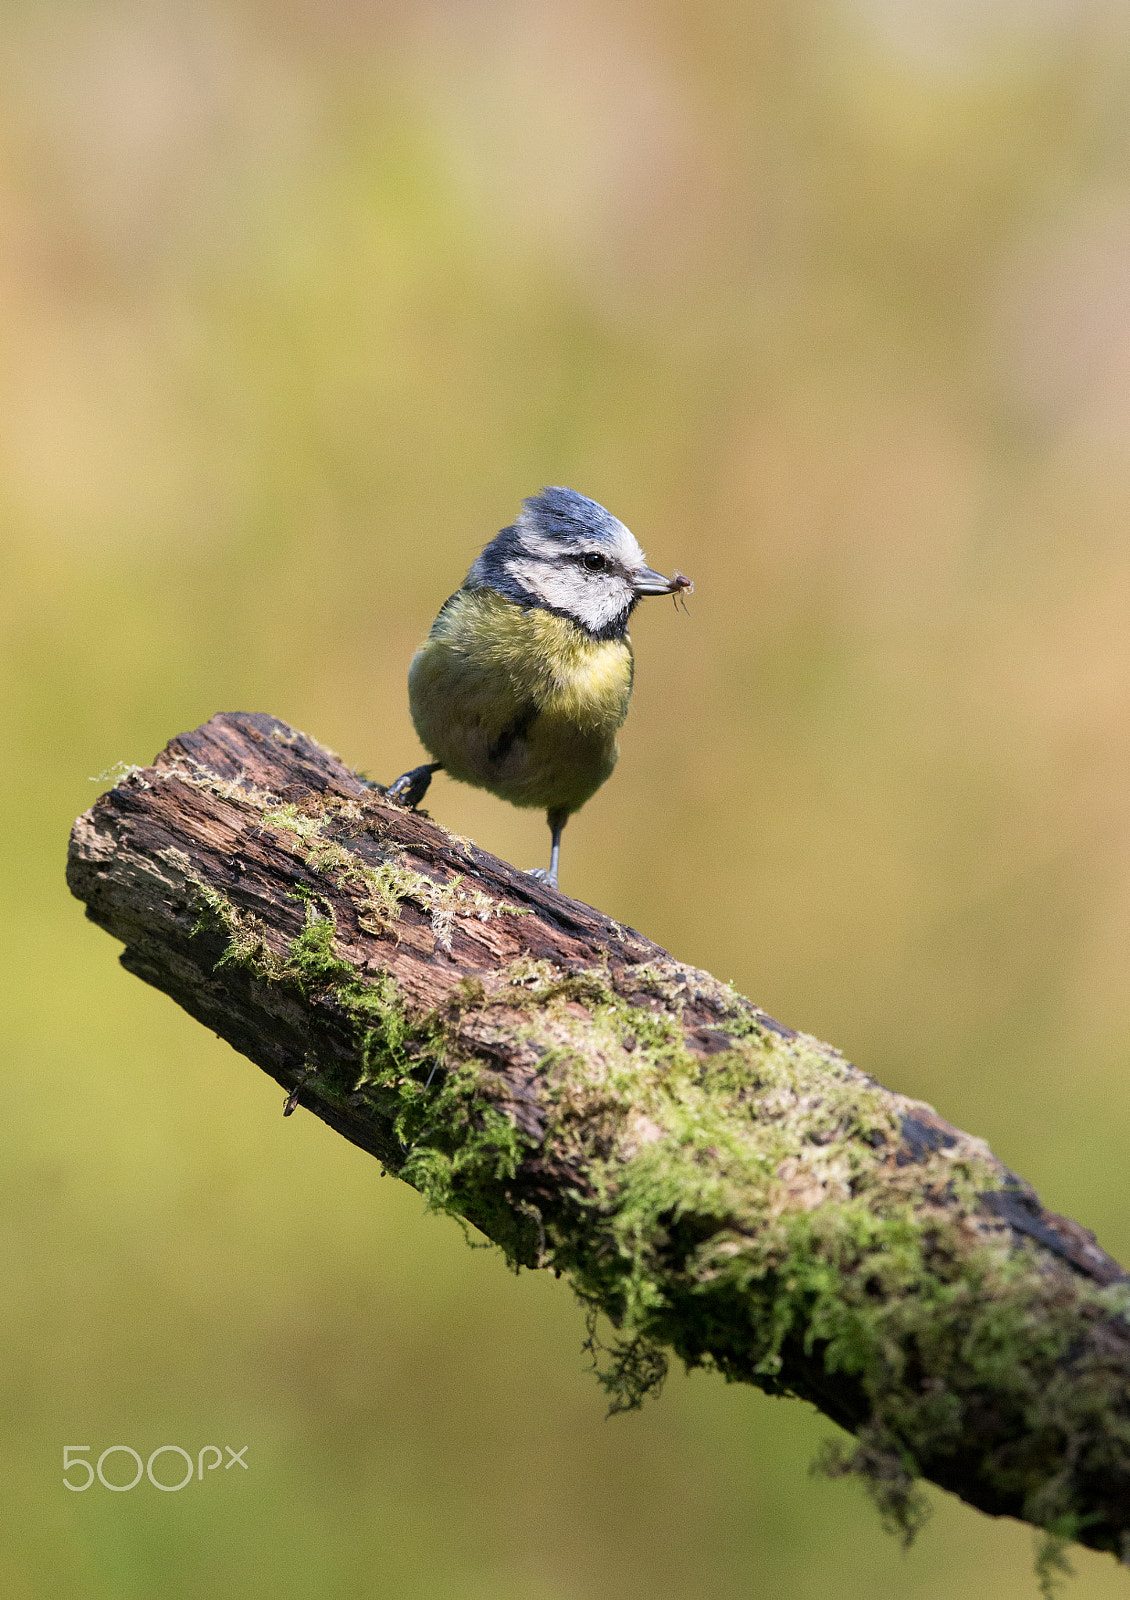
(681, 586)
(646, 581)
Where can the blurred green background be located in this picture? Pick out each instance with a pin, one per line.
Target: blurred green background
(829, 300)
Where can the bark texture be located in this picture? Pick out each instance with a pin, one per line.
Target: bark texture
(719, 1185)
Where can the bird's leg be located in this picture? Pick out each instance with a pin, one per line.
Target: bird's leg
(411, 787)
(557, 821)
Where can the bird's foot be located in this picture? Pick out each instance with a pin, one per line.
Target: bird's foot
(543, 875)
(411, 787)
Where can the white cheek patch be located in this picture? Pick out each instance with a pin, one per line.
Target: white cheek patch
(593, 601)
(554, 584)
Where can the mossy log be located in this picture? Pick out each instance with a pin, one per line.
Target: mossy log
(719, 1185)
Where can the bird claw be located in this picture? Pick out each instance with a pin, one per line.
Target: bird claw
(542, 875)
(411, 787)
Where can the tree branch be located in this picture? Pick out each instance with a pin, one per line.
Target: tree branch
(717, 1184)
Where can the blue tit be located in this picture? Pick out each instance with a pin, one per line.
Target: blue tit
(524, 680)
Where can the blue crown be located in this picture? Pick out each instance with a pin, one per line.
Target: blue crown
(565, 514)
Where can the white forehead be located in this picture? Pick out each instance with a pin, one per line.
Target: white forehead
(612, 539)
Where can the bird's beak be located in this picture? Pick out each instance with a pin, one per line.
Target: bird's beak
(645, 581)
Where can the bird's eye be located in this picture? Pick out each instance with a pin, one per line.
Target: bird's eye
(593, 561)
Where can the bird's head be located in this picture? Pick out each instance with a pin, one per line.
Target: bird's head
(568, 554)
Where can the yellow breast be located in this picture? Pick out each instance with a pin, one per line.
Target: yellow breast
(534, 656)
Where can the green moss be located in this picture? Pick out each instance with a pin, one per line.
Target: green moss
(380, 891)
(312, 962)
(744, 1209)
(1052, 1565)
(247, 942)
